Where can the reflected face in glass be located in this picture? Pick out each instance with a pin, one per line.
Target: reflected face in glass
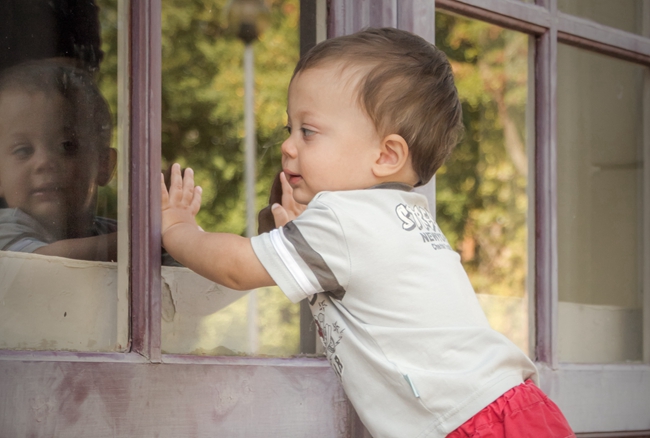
(332, 143)
(46, 168)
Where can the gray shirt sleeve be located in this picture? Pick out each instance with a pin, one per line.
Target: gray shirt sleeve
(20, 232)
(308, 255)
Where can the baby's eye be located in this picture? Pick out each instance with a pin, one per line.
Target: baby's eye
(288, 128)
(22, 151)
(307, 132)
(69, 148)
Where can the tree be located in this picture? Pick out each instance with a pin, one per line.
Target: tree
(202, 127)
(481, 198)
(202, 102)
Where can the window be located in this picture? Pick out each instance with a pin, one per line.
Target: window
(127, 392)
(482, 191)
(203, 92)
(575, 79)
(61, 288)
(589, 236)
(600, 212)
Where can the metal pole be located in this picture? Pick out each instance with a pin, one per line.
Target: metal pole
(249, 176)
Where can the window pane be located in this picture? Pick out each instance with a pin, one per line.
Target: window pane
(58, 183)
(203, 128)
(600, 206)
(626, 15)
(482, 200)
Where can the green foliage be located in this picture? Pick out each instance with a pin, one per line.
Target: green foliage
(107, 83)
(481, 191)
(202, 102)
(203, 128)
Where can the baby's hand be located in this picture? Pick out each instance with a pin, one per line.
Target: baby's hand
(183, 201)
(290, 209)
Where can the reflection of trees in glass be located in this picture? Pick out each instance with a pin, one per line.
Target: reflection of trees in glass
(203, 101)
(107, 82)
(481, 192)
(202, 127)
(202, 97)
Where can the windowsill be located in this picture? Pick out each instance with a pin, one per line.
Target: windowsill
(63, 305)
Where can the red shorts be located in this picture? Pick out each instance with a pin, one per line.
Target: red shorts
(522, 412)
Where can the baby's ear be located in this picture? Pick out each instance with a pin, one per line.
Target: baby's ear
(106, 169)
(393, 160)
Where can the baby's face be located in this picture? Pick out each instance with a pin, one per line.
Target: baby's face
(45, 169)
(333, 143)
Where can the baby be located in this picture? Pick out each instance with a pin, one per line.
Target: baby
(370, 116)
(55, 133)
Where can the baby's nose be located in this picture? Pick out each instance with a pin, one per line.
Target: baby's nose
(288, 148)
(45, 158)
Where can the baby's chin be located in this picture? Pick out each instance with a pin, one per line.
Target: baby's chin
(302, 198)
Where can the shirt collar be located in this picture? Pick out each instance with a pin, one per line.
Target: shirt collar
(393, 186)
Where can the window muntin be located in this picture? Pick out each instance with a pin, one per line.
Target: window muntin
(203, 128)
(482, 192)
(600, 207)
(58, 301)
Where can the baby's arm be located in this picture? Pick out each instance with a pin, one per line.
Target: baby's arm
(226, 259)
(99, 248)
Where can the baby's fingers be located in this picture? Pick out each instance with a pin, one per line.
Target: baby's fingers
(287, 190)
(280, 215)
(175, 184)
(293, 209)
(195, 206)
(188, 186)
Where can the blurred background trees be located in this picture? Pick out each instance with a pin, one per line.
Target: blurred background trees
(482, 190)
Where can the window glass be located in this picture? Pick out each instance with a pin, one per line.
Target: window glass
(58, 182)
(481, 199)
(203, 128)
(626, 15)
(601, 111)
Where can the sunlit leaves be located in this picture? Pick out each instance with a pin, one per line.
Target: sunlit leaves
(481, 192)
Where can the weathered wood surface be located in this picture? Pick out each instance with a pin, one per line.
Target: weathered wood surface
(81, 399)
(144, 176)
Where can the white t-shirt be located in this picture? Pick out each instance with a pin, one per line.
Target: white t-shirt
(396, 313)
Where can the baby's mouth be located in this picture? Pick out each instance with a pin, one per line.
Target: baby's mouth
(293, 178)
(47, 191)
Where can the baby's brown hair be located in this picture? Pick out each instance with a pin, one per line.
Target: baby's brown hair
(78, 88)
(407, 88)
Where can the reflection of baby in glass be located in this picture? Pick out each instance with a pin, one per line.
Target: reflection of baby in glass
(55, 131)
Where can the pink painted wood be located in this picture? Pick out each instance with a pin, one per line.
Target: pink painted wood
(418, 16)
(145, 117)
(536, 19)
(614, 42)
(72, 399)
(348, 16)
(545, 195)
(517, 16)
(639, 57)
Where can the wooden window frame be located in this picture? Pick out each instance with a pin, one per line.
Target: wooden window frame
(50, 388)
(214, 396)
(584, 389)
